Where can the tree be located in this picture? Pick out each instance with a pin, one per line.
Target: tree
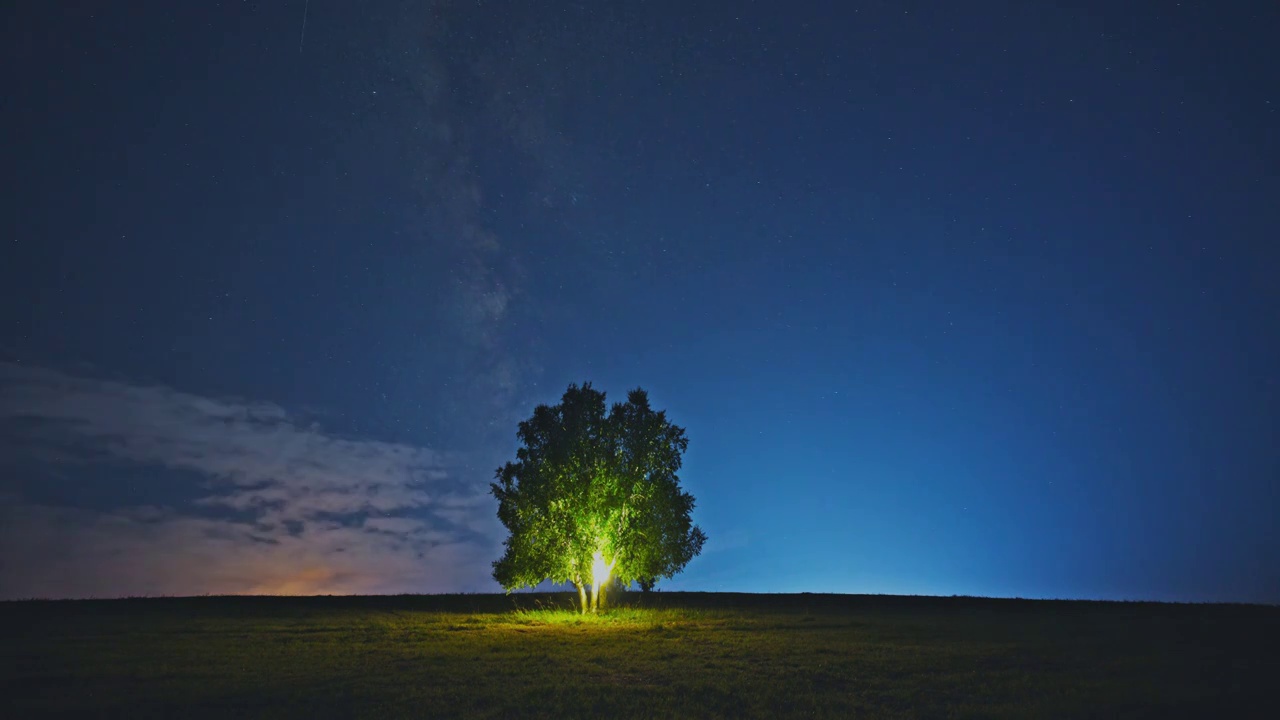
(593, 495)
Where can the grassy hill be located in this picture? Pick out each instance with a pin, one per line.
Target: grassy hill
(659, 655)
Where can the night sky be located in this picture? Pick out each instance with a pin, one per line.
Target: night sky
(952, 298)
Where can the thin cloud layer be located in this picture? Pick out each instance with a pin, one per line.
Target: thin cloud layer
(277, 505)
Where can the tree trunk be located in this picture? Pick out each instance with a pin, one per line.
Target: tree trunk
(582, 598)
(595, 597)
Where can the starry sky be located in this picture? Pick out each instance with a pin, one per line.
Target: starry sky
(952, 298)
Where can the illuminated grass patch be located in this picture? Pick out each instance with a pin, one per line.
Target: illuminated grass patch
(678, 655)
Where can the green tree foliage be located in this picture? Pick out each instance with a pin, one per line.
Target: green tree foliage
(593, 490)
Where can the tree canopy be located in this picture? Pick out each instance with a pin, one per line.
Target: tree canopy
(594, 495)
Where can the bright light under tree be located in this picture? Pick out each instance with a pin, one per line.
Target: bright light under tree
(599, 576)
(599, 569)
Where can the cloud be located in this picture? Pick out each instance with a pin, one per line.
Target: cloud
(277, 505)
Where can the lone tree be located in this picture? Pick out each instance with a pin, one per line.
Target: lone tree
(594, 495)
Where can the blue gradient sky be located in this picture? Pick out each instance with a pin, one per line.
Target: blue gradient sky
(951, 300)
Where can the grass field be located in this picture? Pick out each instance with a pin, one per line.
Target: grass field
(659, 655)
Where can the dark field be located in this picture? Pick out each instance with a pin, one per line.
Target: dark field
(660, 655)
